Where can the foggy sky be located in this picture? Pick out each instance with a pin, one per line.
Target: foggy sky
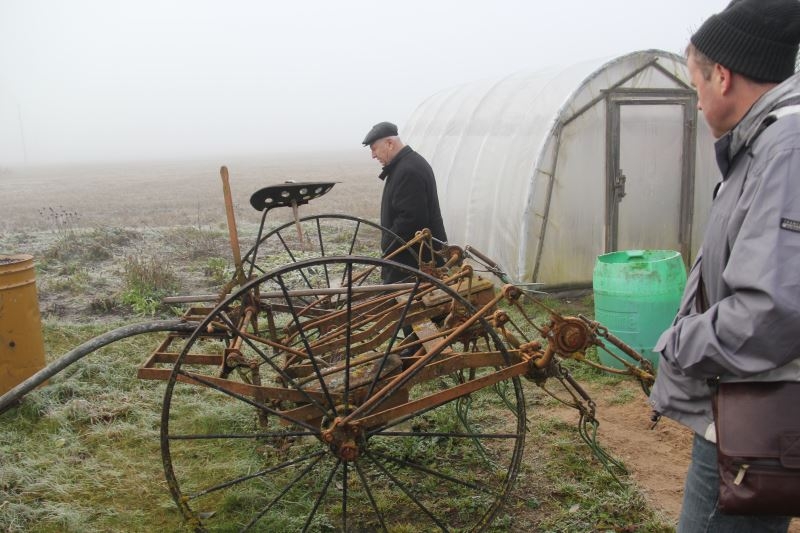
(106, 80)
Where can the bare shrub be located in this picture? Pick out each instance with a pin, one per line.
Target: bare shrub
(64, 248)
(218, 270)
(112, 237)
(95, 245)
(197, 243)
(100, 243)
(146, 281)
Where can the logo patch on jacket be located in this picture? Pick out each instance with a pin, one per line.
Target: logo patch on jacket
(791, 225)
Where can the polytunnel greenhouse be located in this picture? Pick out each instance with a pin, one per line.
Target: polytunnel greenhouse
(545, 170)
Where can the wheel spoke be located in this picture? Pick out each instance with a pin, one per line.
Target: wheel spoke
(267, 359)
(245, 399)
(264, 435)
(400, 322)
(348, 333)
(315, 455)
(353, 240)
(255, 248)
(281, 494)
(322, 493)
(420, 468)
(371, 498)
(345, 470)
(399, 484)
(306, 344)
(322, 249)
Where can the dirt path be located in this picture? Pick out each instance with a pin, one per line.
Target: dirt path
(657, 459)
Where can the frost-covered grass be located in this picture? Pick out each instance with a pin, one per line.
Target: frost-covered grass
(82, 452)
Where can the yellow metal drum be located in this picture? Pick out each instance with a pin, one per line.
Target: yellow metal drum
(21, 342)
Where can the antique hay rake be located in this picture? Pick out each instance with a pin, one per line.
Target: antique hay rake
(301, 399)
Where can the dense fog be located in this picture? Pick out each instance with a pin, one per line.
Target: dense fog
(92, 80)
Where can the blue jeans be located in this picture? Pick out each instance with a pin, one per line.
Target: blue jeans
(699, 510)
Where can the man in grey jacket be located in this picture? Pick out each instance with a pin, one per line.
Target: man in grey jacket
(740, 313)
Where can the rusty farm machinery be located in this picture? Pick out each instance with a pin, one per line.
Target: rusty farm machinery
(350, 404)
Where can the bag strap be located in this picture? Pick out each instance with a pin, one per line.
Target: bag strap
(790, 106)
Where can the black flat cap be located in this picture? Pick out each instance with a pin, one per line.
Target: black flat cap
(379, 131)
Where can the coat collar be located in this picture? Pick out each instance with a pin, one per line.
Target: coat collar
(393, 163)
(755, 121)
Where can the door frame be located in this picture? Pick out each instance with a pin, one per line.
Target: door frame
(617, 98)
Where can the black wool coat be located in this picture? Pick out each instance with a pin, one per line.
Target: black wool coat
(409, 203)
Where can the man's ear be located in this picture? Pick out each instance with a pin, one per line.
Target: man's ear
(724, 78)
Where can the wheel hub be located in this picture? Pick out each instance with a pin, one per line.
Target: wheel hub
(346, 440)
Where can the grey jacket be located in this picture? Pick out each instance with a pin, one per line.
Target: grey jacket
(750, 263)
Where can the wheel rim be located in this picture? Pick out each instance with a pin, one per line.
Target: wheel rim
(289, 459)
(322, 236)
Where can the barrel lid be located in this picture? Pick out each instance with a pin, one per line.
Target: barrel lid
(14, 259)
(640, 257)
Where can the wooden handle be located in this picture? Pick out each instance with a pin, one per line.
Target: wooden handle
(234, 234)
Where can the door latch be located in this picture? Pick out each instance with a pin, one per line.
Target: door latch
(619, 186)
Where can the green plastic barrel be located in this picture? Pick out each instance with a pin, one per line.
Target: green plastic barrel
(636, 296)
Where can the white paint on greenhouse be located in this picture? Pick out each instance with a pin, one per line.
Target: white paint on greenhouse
(526, 165)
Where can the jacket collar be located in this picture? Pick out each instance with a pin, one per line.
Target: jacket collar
(755, 121)
(393, 163)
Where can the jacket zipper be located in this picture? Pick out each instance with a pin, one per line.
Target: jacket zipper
(762, 465)
(740, 474)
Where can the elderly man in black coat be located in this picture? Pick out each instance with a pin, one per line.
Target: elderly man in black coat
(409, 202)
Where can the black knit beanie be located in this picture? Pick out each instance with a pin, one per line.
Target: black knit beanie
(755, 38)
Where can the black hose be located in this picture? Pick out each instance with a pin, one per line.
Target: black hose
(11, 397)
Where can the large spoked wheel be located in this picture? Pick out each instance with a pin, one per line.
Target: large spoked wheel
(318, 236)
(320, 416)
